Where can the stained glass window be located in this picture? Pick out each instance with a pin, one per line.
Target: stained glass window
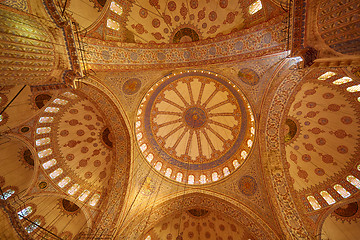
(112, 24)
(179, 176)
(43, 130)
(226, 171)
(202, 179)
(84, 195)
(45, 153)
(243, 154)
(116, 8)
(139, 136)
(354, 181)
(150, 157)
(342, 80)
(30, 228)
(46, 119)
(158, 166)
(249, 143)
(358, 99)
(342, 191)
(49, 163)
(328, 198)
(214, 176)
(143, 147)
(252, 130)
(60, 101)
(355, 88)
(64, 182)
(7, 194)
(94, 200)
(137, 124)
(255, 7)
(51, 109)
(313, 202)
(148, 238)
(69, 95)
(1, 118)
(56, 173)
(326, 75)
(74, 188)
(25, 212)
(42, 141)
(168, 172)
(236, 164)
(191, 179)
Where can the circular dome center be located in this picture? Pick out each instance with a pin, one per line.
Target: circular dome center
(195, 117)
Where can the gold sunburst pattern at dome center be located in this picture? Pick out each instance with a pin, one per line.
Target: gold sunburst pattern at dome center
(195, 127)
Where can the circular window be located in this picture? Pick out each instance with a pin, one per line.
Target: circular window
(195, 127)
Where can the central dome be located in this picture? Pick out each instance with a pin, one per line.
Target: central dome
(195, 127)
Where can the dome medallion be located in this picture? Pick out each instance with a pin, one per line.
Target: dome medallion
(195, 127)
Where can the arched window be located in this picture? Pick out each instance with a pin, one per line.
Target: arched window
(355, 88)
(313, 202)
(25, 212)
(150, 157)
(46, 119)
(42, 141)
(354, 181)
(74, 188)
(94, 200)
(158, 166)
(179, 176)
(112, 24)
(191, 179)
(328, 198)
(255, 7)
(342, 191)
(342, 80)
(249, 143)
(32, 226)
(202, 179)
(214, 176)
(56, 173)
(49, 163)
(69, 95)
(326, 75)
(8, 193)
(51, 109)
(60, 101)
(45, 153)
(226, 171)
(84, 195)
(116, 8)
(168, 172)
(64, 182)
(244, 154)
(43, 130)
(236, 164)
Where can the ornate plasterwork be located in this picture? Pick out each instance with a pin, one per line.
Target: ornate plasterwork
(260, 40)
(251, 222)
(282, 194)
(196, 124)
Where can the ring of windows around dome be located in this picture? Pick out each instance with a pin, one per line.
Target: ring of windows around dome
(45, 153)
(351, 183)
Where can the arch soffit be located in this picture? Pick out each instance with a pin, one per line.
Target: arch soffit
(120, 124)
(283, 82)
(241, 213)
